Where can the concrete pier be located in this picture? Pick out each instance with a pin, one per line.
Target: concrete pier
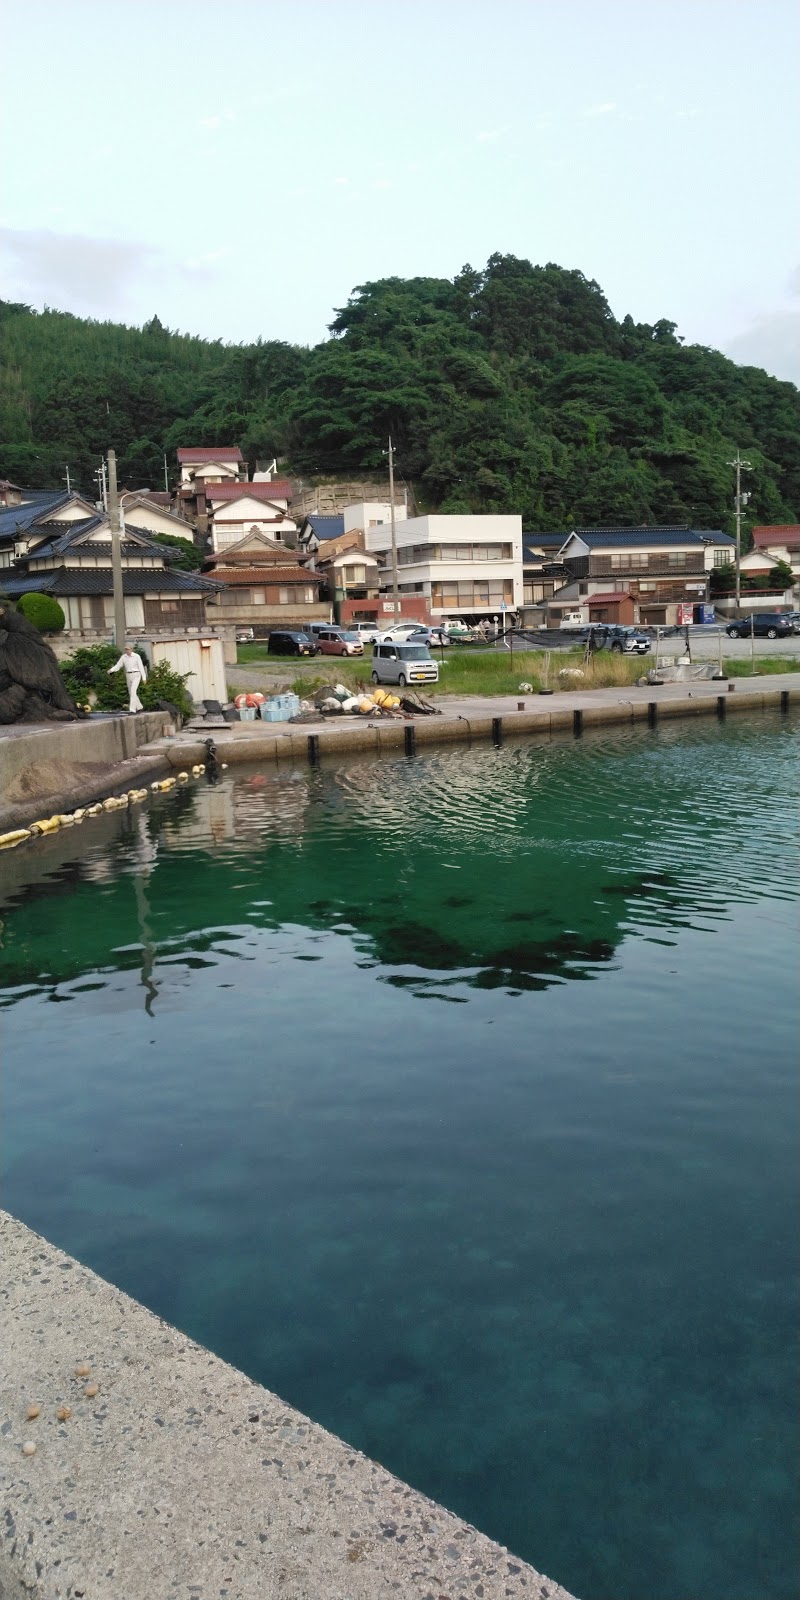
(180, 1479)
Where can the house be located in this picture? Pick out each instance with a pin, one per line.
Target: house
(59, 544)
(542, 572)
(460, 567)
(10, 493)
(316, 529)
(782, 542)
(664, 572)
(265, 586)
(199, 468)
(152, 516)
(352, 575)
(234, 509)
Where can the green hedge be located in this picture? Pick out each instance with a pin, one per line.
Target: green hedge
(43, 611)
(86, 675)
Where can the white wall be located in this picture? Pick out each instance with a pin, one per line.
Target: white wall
(465, 529)
(202, 657)
(144, 518)
(372, 511)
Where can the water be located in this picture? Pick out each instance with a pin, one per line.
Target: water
(452, 1099)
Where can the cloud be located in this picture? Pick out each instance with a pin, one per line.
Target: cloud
(212, 123)
(87, 274)
(773, 340)
(490, 135)
(381, 183)
(341, 182)
(605, 109)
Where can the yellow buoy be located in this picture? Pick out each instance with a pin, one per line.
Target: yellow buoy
(183, 777)
(17, 836)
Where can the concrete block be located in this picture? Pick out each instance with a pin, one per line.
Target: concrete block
(181, 1476)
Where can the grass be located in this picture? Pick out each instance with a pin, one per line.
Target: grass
(465, 672)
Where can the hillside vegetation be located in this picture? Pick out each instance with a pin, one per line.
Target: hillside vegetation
(509, 389)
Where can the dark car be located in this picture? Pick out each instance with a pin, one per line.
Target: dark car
(284, 643)
(762, 625)
(613, 636)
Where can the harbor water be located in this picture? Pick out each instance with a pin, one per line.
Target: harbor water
(453, 1098)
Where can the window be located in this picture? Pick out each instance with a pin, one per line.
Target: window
(491, 592)
(677, 558)
(355, 575)
(258, 597)
(723, 558)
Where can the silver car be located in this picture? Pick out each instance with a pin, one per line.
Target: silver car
(401, 662)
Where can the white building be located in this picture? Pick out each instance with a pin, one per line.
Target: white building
(373, 514)
(463, 566)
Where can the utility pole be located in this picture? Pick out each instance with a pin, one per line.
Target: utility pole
(166, 477)
(395, 584)
(102, 484)
(116, 553)
(741, 466)
(66, 469)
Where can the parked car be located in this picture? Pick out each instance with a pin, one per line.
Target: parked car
(613, 636)
(762, 625)
(244, 635)
(284, 642)
(794, 618)
(367, 632)
(571, 621)
(401, 662)
(336, 642)
(429, 636)
(398, 630)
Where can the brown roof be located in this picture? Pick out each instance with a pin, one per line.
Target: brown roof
(220, 452)
(593, 599)
(783, 533)
(265, 575)
(278, 489)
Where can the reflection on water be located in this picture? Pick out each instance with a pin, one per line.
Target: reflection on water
(529, 1245)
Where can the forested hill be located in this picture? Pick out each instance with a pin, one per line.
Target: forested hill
(513, 388)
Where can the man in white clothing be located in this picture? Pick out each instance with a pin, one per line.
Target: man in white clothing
(135, 673)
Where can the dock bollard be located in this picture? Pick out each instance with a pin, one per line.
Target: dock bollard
(577, 722)
(721, 707)
(652, 713)
(497, 730)
(313, 749)
(410, 739)
(784, 700)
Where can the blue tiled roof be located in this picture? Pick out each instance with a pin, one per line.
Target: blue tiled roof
(99, 580)
(326, 527)
(37, 503)
(604, 538)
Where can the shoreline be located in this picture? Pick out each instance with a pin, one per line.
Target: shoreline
(97, 759)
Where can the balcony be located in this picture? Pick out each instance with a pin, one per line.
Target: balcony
(654, 567)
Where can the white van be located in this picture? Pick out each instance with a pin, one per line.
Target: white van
(401, 662)
(572, 620)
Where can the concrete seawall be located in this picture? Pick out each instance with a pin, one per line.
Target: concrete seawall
(53, 766)
(256, 741)
(179, 1477)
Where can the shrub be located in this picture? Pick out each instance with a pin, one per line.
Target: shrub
(43, 611)
(164, 685)
(86, 673)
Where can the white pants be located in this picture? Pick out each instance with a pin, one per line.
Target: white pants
(133, 679)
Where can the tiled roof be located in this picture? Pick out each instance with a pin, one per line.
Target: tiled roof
(269, 575)
(278, 489)
(326, 527)
(14, 517)
(647, 538)
(596, 599)
(546, 541)
(159, 497)
(220, 452)
(782, 533)
(99, 580)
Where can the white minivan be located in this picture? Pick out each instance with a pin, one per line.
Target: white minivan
(401, 662)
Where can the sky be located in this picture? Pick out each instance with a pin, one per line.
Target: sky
(238, 169)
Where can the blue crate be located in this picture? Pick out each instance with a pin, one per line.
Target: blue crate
(272, 711)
